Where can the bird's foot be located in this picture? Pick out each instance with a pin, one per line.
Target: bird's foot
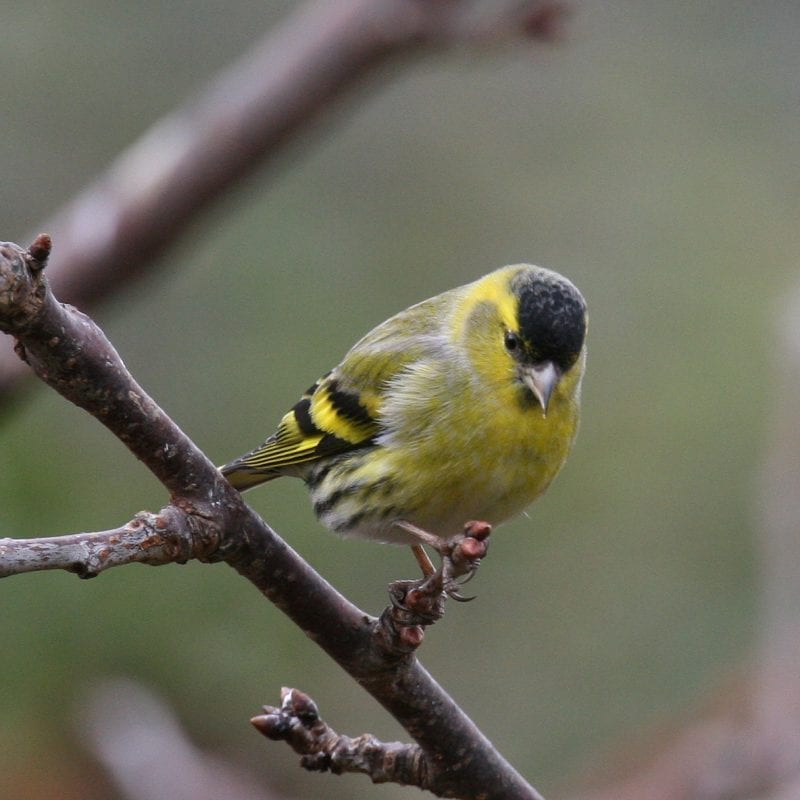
(461, 557)
(415, 604)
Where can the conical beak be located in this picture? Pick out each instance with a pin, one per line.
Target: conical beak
(542, 379)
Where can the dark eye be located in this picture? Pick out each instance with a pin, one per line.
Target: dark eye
(512, 342)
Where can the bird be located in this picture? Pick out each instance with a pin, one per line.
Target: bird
(461, 407)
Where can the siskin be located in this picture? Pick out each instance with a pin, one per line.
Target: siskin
(461, 407)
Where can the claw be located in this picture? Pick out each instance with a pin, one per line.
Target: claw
(470, 575)
(453, 586)
(454, 594)
(416, 604)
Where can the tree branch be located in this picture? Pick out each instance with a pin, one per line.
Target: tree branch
(112, 231)
(298, 723)
(153, 539)
(208, 519)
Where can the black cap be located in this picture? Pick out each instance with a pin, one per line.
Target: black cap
(552, 316)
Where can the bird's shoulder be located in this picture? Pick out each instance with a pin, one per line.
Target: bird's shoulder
(343, 410)
(350, 400)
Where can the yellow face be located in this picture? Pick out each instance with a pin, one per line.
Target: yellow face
(524, 329)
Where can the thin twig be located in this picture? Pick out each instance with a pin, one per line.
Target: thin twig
(298, 723)
(148, 538)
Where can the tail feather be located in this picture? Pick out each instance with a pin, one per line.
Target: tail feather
(242, 477)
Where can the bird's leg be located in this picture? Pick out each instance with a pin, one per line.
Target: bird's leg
(423, 536)
(461, 555)
(423, 559)
(418, 603)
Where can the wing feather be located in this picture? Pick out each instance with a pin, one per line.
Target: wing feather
(341, 412)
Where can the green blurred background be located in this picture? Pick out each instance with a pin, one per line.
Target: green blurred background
(652, 157)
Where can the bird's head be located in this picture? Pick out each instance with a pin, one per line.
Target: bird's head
(529, 322)
(546, 338)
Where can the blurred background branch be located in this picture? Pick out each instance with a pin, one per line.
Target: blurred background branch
(745, 741)
(272, 96)
(149, 756)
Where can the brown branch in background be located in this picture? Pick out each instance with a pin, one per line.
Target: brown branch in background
(112, 231)
(72, 355)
